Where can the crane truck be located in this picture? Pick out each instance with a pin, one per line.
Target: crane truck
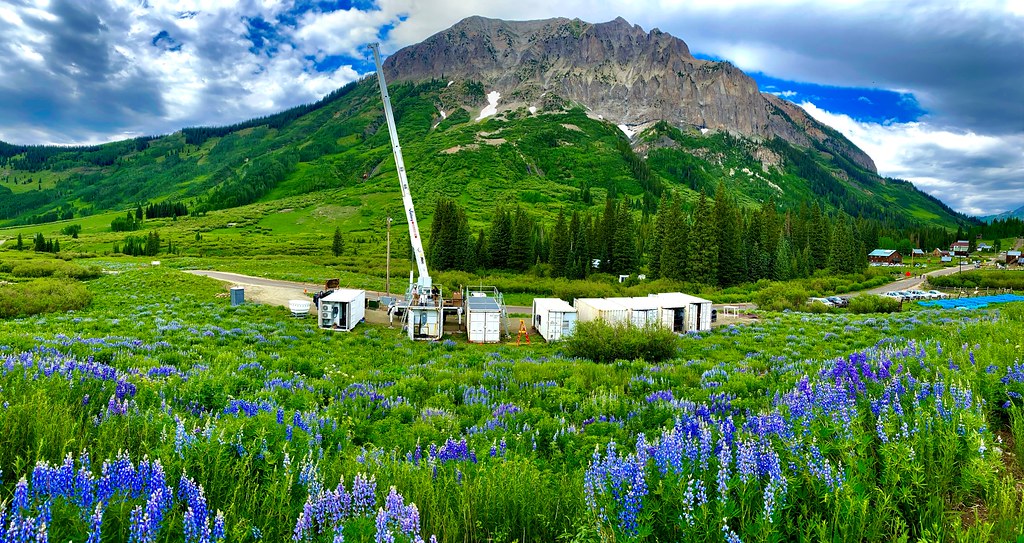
(423, 307)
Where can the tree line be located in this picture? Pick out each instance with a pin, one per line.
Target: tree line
(711, 241)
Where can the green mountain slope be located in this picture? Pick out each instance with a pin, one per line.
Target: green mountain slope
(554, 157)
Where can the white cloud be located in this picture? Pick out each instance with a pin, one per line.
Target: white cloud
(974, 173)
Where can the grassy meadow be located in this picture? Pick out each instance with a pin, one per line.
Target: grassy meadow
(161, 413)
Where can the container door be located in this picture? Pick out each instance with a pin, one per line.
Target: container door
(476, 327)
(554, 326)
(568, 325)
(493, 322)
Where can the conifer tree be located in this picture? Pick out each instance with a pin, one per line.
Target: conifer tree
(703, 244)
(657, 240)
(339, 243)
(728, 225)
(820, 237)
(21, 243)
(520, 251)
(560, 244)
(675, 242)
(606, 237)
(782, 268)
(480, 254)
(500, 238)
(624, 243)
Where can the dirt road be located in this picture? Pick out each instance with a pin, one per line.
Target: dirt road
(910, 282)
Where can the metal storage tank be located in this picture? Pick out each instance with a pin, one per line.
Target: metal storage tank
(483, 319)
(553, 318)
(684, 313)
(342, 309)
(591, 309)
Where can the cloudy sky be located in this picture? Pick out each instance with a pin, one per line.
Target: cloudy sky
(933, 91)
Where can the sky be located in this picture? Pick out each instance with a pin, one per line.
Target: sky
(932, 91)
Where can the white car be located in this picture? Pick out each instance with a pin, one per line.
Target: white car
(824, 301)
(918, 294)
(895, 295)
(937, 294)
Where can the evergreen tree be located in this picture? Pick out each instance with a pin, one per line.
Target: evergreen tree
(575, 267)
(520, 252)
(675, 242)
(728, 225)
(56, 246)
(657, 241)
(449, 237)
(819, 239)
(606, 239)
(703, 244)
(782, 269)
(21, 243)
(500, 239)
(560, 244)
(339, 243)
(624, 243)
(138, 213)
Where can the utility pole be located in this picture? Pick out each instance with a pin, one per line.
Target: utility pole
(387, 267)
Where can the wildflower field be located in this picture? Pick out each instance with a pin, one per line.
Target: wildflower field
(160, 413)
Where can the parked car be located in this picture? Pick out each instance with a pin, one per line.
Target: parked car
(937, 294)
(839, 301)
(824, 301)
(918, 294)
(894, 294)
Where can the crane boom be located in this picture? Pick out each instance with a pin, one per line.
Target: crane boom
(410, 211)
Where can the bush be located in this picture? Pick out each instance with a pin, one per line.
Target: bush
(42, 296)
(869, 303)
(781, 296)
(54, 268)
(603, 342)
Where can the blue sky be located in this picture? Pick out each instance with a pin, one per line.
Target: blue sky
(931, 90)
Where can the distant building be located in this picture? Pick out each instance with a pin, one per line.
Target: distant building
(1013, 257)
(917, 253)
(984, 247)
(885, 256)
(946, 258)
(960, 247)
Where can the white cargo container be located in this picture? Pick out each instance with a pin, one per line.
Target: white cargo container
(643, 310)
(342, 309)
(483, 319)
(553, 318)
(592, 309)
(683, 313)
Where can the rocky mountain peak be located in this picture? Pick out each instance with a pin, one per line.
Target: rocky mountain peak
(616, 70)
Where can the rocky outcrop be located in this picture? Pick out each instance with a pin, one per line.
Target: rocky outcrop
(617, 70)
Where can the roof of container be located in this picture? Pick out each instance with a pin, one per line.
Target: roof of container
(482, 303)
(639, 303)
(343, 295)
(678, 299)
(601, 304)
(553, 304)
(882, 252)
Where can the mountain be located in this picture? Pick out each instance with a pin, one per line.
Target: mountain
(617, 71)
(548, 113)
(1014, 214)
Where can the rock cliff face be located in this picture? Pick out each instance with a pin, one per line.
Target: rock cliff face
(617, 71)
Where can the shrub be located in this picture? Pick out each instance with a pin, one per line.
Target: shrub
(869, 303)
(603, 342)
(42, 296)
(781, 296)
(54, 268)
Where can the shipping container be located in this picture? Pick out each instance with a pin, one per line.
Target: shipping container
(483, 319)
(342, 309)
(592, 309)
(553, 318)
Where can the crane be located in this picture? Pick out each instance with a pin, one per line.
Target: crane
(424, 313)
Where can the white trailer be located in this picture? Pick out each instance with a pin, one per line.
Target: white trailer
(342, 309)
(643, 310)
(553, 318)
(683, 313)
(483, 318)
(592, 309)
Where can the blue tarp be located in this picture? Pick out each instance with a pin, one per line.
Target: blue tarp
(972, 303)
